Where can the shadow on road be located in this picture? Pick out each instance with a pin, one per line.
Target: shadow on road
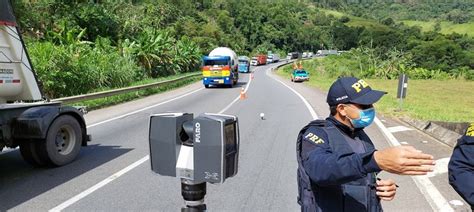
(20, 182)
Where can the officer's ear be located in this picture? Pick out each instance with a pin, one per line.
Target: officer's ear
(341, 109)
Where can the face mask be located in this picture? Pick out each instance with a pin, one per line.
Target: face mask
(366, 117)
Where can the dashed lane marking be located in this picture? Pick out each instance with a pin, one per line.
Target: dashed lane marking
(441, 167)
(427, 188)
(398, 129)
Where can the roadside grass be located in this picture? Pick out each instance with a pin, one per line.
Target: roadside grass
(433, 100)
(121, 98)
(446, 27)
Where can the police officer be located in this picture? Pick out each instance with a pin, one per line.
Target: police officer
(337, 161)
(461, 166)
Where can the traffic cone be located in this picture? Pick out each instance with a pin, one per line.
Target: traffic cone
(251, 75)
(243, 95)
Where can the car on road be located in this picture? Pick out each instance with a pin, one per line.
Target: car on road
(299, 76)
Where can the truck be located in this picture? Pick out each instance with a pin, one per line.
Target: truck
(244, 64)
(322, 53)
(46, 132)
(220, 67)
(260, 59)
(292, 55)
(273, 58)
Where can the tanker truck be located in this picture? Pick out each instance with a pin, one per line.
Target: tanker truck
(220, 68)
(47, 133)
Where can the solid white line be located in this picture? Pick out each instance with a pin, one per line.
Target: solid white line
(109, 179)
(306, 103)
(98, 185)
(237, 98)
(427, 188)
(143, 109)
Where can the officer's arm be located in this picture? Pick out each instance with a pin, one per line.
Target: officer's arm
(325, 167)
(461, 171)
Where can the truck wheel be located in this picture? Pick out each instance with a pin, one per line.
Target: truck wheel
(206, 86)
(63, 141)
(29, 152)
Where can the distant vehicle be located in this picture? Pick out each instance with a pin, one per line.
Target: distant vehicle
(254, 61)
(310, 54)
(299, 76)
(305, 55)
(292, 55)
(260, 59)
(220, 68)
(48, 133)
(322, 53)
(273, 58)
(244, 64)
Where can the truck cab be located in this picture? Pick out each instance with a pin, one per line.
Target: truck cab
(244, 64)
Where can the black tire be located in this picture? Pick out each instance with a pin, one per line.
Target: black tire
(29, 152)
(63, 141)
(206, 86)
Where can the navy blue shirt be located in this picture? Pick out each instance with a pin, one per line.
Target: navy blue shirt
(325, 167)
(461, 166)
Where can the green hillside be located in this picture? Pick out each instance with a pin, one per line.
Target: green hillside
(446, 27)
(355, 21)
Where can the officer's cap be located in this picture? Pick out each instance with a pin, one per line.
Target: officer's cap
(353, 90)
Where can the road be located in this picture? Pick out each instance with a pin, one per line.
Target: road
(113, 172)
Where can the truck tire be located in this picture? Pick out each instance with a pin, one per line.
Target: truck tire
(29, 152)
(206, 86)
(63, 141)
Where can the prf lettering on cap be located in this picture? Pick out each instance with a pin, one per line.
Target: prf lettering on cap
(361, 83)
(470, 130)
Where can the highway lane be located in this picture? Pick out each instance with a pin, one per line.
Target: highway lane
(267, 169)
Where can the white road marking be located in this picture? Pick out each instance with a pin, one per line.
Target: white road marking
(143, 109)
(306, 103)
(99, 185)
(404, 143)
(109, 179)
(429, 191)
(398, 129)
(441, 167)
(236, 98)
(456, 202)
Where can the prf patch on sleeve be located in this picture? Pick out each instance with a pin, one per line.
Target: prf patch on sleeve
(314, 138)
(470, 130)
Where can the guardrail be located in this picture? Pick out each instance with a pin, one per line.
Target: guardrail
(102, 94)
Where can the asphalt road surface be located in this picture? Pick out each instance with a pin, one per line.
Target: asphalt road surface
(113, 172)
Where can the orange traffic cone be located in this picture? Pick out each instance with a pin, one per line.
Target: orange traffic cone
(243, 95)
(251, 75)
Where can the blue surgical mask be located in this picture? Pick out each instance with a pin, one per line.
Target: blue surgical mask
(366, 117)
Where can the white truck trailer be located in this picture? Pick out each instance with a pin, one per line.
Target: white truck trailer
(47, 133)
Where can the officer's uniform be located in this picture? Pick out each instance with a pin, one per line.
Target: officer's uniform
(336, 167)
(339, 167)
(461, 166)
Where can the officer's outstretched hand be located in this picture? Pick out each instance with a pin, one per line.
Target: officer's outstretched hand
(386, 189)
(404, 160)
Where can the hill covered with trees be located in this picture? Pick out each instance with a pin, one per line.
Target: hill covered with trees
(80, 46)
